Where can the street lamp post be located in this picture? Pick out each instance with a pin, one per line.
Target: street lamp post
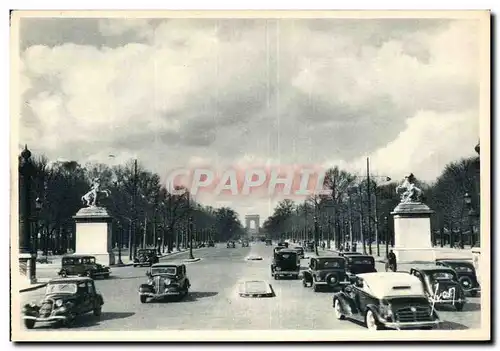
(386, 222)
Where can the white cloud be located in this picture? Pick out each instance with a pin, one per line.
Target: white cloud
(195, 92)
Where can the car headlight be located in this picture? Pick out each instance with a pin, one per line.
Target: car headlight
(386, 310)
(168, 281)
(59, 303)
(278, 268)
(62, 309)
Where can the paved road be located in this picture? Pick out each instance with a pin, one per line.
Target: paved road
(214, 304)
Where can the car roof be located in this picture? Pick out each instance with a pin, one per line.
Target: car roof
(287, 251)
(455, 260)
(430, 267)
(391, 284)
(168, 264)
(361, 255)
(324, 258)
(69, 280)
(353, 254)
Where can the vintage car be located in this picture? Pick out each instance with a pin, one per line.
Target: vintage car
(465, 272)
(326, 271)
(441, 285)
(300, 251)
(165, 280)
(286, 263)
(64, 300)
(211, 243)
(245, 243)
(309, 246)
(359, 264)
(269, 242)
(283, 244)
(82, 265)
(146, 257)
(394, 300)
(231, 244)
(277, 249)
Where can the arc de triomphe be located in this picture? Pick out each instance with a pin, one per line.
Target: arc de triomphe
(248, 220)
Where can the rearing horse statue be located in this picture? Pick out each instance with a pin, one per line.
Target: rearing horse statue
(91, 197)
(410, 191)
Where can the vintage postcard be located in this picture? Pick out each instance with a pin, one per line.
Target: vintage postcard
(250, 176)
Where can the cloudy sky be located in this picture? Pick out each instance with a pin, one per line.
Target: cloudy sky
(236, 92)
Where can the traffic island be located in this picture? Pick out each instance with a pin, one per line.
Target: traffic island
(191, 260)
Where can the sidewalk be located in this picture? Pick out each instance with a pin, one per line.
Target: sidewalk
(41, 282)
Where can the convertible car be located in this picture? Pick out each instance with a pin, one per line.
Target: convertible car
(165, 280)
(394, 300)
(65, 298)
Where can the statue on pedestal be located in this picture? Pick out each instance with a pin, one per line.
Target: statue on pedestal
(408, 191)
(90, 199)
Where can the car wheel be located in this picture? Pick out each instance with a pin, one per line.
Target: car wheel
(135, 265)
(459, 306)
(338, 310)
(29, 323)
(143, 299)
(371, 321)
(304, 283)
(97, 311)
(63, 274)
(473, 293)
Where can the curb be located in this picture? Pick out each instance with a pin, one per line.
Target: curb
(191, 260)
(31, 288)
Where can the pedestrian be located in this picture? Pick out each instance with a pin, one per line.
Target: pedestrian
(347, 247)
(354, 246)
(391, 260)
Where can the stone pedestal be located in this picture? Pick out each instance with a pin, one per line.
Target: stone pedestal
(93, 234)
(412, 233)
(26, 265)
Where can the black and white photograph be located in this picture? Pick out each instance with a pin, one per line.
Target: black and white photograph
(250, 176)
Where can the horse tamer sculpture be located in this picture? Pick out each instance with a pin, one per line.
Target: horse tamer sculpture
(409, 191)
(90, 199)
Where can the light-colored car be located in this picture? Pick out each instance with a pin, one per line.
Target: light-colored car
(394, 300)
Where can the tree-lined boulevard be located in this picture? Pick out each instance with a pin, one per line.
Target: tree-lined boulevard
(213, 302)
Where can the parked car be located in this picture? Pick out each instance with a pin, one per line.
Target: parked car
(231, 244)
(466, 274)
(164, 280)
(309, 246)
(269, 242)
(283, 244)
(300, 251)
(211, 243)
(82, 265)
(286, 262)
(146, 257)
(359, 264)
(245, 243)
(394, 300)
(441, 285)
(326, 271)
(64, 300)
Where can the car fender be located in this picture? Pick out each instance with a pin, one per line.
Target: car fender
(374, 309)
(347, 303)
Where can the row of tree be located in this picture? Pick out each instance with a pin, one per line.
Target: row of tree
(145, 213)
(345, 213)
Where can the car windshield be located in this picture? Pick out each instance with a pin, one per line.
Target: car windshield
(442, 276)
(325, 264)
(463, 269)
(286, 256)
(61, 288)
(163, 270)
(361, 260)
